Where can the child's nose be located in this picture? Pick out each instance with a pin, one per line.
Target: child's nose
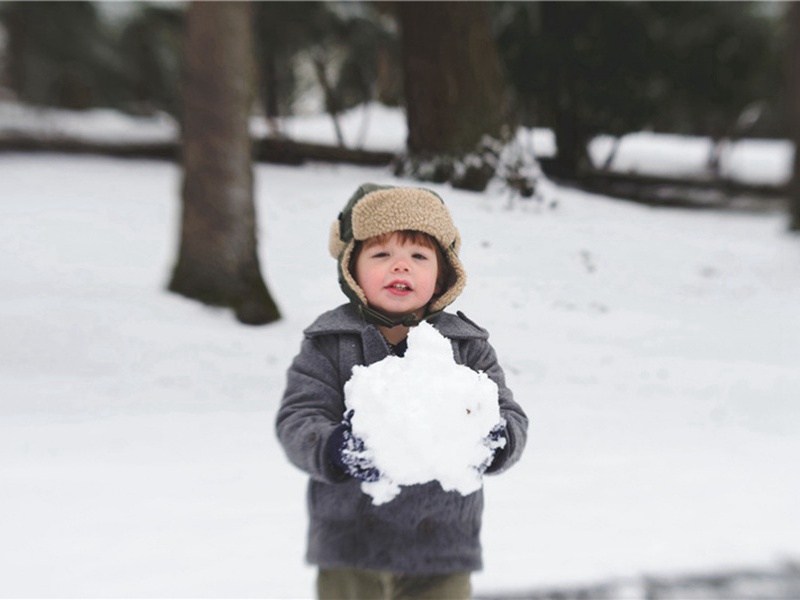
(400, 265)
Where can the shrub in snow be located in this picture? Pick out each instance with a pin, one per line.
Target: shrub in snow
(502, 163)
(423, 418)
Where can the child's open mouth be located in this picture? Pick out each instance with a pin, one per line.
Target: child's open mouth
(399, 287)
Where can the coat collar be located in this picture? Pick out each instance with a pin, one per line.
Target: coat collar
(346, 319)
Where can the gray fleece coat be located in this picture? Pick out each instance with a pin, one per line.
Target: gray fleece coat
(424, 530)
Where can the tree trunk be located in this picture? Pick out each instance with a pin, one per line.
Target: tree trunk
(572, 156)
(388, 78)
(332, 105)
(454, 86)
(271, 92)
(571, 133)
(17, 48)
(793, 81)
(218, 261)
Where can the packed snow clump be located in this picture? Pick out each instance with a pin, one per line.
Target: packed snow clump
(423, 417)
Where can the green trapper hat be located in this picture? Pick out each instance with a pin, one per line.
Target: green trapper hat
(377, 210)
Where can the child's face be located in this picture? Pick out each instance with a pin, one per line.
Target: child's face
(398, 278)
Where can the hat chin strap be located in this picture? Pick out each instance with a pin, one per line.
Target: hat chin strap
(377, 318)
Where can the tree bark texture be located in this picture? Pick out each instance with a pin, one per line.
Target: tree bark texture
(218, 261)
(793, 102)
(454, 87)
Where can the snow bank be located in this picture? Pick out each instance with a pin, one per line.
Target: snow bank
(423, 418)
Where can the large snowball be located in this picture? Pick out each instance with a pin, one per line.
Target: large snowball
(423, 417)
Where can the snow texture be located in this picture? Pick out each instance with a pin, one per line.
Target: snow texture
(423, 418)
(655, 352)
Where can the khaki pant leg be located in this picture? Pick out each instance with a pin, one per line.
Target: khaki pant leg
(352, 584)
(452, 586)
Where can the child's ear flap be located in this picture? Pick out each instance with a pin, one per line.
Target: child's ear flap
(335, 242)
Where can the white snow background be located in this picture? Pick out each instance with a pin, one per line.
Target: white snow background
(656, 352)
(423, 418)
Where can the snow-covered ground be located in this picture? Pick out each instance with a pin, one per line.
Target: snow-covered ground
(656, 352)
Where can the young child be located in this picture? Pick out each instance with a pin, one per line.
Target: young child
(397, 252)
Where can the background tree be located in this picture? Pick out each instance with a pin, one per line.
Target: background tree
(719, 66)
(218, 260)
(454, 88)
(282, 29)
(349, 47)
(793, 84)
(367, 49)
(579, 68)
(150, 48)
(60, 54)
(589, 68)
(72, 55)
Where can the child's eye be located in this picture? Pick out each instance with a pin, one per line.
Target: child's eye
(420, 256)
(380, 254)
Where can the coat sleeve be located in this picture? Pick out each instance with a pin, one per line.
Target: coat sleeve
(311, 409)
(480, 356)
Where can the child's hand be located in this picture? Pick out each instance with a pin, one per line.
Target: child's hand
(497, 440)
(347, 452)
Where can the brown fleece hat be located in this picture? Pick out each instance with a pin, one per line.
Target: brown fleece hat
(376, 210)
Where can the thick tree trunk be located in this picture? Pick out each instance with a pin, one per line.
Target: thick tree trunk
(218, 261)
(793, 81)
(454, 86)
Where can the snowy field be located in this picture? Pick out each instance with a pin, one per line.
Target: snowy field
(656, 352)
